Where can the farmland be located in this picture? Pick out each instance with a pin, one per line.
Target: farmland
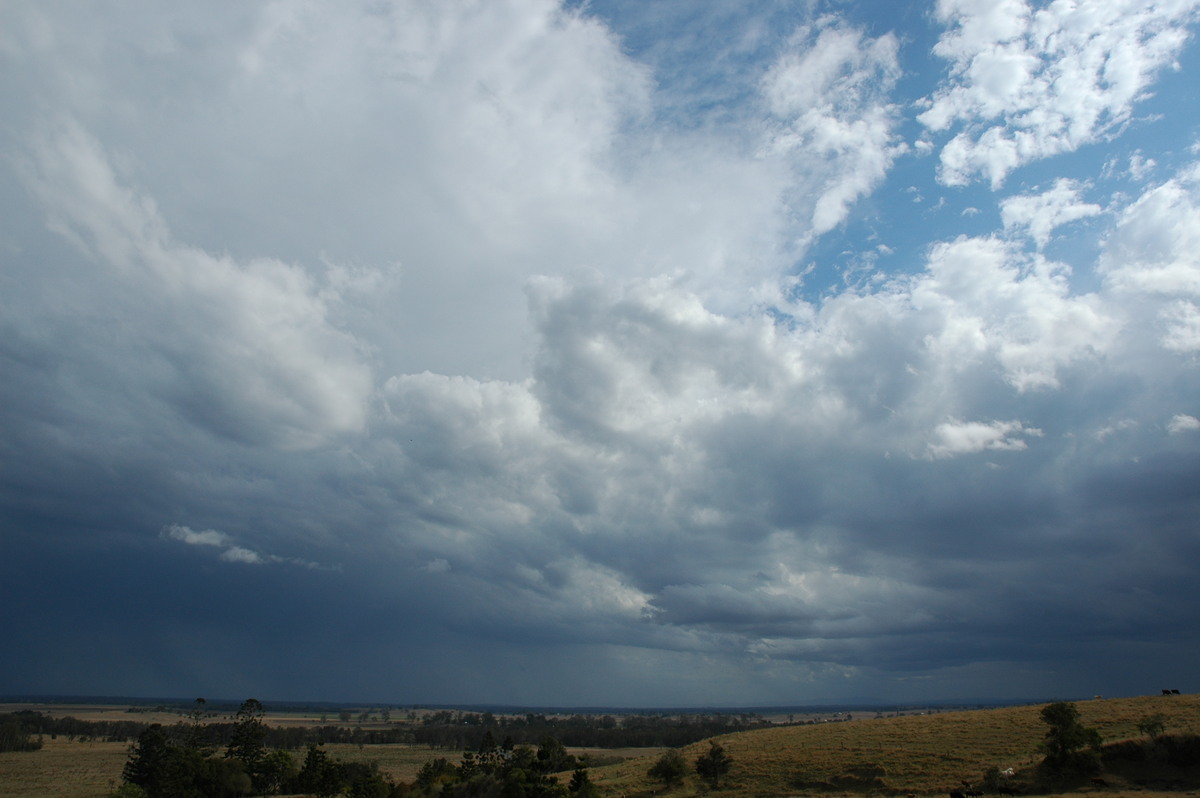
(922, 754)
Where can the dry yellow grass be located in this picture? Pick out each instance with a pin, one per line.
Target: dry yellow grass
(62, 769)
(925, 755)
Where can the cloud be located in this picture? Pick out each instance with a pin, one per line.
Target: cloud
(829, 91)
(1040, 214)
(232, 552)
(1150, 259)
(1031, 82)
(250, 348)
(1153, 250)
(1183, 423)
(211, 537)
(957, 437)
(1019, 310)
(470, 301)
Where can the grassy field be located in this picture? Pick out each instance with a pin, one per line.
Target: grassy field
(63, 769)
(926, 755)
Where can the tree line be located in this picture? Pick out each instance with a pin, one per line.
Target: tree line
(467, 730)
(184, 761)
(33, 723)
(451, 730)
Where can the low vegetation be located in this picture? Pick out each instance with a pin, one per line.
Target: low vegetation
(1112, 747)
(936, 754)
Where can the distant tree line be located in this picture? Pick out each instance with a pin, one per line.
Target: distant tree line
(17, 732)
(44, 725)
(466, 730)
(184, 761)
(503, 770)
(446, 729)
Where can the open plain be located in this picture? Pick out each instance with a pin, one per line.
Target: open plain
(920, 754)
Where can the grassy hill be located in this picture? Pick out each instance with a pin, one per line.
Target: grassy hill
(920, 754)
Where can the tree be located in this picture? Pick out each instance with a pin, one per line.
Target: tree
(275, 771)
(198, 737)
(435, 773)
(320, 774)
(669, 769)
(1153, 726)
(151, 763)
(714, 764)
(14, 736)
(127, 791)
(552, 756)
(1069, 745)
(246, 742)
(581, 785)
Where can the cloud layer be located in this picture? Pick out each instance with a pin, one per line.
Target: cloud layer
(447, 340)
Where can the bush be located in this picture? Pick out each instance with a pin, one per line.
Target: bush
(714, 764)
(128, 791)
(1069, 745)
(1152, 726)
(15, 737)
(669, 769)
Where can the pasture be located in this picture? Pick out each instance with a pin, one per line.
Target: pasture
(919, 754)
(925, 755)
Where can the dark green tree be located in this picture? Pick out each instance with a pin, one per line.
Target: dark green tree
(213, 778)
(552, 756)
(14, 736)
(434, 774)
(275, 771)
(198, 734)
(714, 763)
(1069, 745)
(127, 791)
(246, 742)
(670, 768)
(319, 775)
(581, 785)
(150, 764)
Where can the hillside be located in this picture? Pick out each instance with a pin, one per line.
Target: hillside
(921, 754)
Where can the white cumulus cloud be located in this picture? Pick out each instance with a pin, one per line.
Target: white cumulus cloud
(1183, 423)
(1029, 81)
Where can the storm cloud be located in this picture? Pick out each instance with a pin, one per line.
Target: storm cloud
(475, 352)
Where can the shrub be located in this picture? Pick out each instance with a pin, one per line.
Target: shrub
(1152, 726)
(714, 764)
(669, 769)
(1069, 745)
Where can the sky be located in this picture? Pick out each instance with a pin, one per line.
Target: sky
(600, 352)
